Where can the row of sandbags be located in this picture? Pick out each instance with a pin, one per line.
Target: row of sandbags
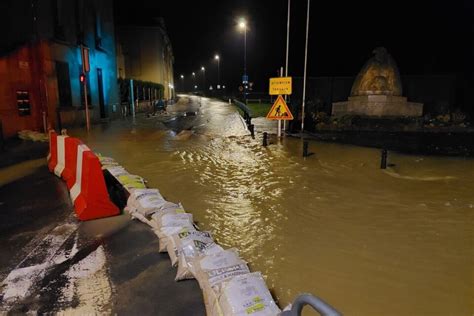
(228, 286)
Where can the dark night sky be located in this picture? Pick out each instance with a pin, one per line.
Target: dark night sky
(424, 37)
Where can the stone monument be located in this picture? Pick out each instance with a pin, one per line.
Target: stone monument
(377, 91)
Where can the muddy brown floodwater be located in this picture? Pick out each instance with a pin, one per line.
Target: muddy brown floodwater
(370, 242)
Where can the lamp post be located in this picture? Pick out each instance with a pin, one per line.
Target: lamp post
(305, 66)
(203, 78)
(194, 80)
(243, 26)
(182, 83)
(218, 70)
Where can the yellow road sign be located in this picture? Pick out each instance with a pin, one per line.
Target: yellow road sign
(280, 110)
(280, 85)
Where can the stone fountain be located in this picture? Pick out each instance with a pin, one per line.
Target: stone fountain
(377, 91)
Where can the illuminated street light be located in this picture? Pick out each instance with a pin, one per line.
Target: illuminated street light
(218, 71)
(242, 24)
(182, 76)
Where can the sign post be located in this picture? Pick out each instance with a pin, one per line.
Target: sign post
(85, 69)
(280, 111)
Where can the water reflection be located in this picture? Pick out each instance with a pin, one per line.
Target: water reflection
(371, 242)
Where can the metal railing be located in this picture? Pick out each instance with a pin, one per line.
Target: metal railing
(246, 110)
(316, 303)
(243, 107)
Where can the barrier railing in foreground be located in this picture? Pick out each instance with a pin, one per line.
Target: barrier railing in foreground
(316, 303)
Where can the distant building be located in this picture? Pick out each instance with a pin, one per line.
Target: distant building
(40, 62)
(144, 52)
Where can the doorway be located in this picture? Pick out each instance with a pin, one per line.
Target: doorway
(103, 112)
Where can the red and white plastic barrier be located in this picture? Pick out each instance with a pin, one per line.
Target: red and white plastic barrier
(61, 158)
(81, 169)
(69, 174)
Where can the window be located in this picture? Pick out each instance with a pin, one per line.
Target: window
(23, 103)
(64, 83)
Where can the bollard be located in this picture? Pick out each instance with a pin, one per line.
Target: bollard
(383, 159)
(59, 123)
(2, 141)
(265, 139)
(305, 148)
(230, 101)
(252, 130)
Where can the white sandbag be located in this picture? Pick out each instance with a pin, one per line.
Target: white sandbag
(140, 217)
(246, 294)
(213, 270)
(188, 247)
(131, 182)
(166, 243)
(171, 218)
(145, 201)
(117, 171)
(107, 162)
(168, 222)
(167, 208)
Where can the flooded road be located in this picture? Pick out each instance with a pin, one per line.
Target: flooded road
(370, 242)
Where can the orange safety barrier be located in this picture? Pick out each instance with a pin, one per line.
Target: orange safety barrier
(70, 159)
(89, 193)
(71, 146)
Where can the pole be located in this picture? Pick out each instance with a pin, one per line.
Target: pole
(287, 50)
(279, 121)
(305, 66)
(245, 51)
(132, 98)
(204, 79)
(88, 126)
(383, 159)
(218, 71)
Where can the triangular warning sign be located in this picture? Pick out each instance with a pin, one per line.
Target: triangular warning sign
(280, 110)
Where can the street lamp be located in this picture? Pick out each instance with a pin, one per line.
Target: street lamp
(182, 83)
(218, 72)
(243, 26)
(203, 77)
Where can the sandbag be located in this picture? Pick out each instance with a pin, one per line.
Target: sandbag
(165, 239)
(117, 171)
(213, 270)
(145, 201)
(169, 222)
(246, 294)
(131, 182)
(189, 246)
(107, 162)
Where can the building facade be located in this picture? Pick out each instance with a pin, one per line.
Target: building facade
(144, 53)
(41, 64)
